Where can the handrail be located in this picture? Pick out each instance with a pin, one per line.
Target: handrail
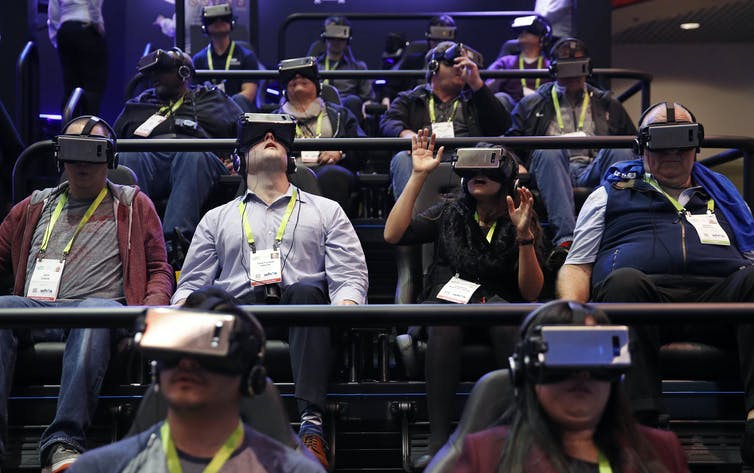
(27, 92)
(72, 103)
(642, 85)
(387, 16)
(380, 315)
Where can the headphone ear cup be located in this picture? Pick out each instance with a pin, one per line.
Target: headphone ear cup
(184, 73)
(256, 381)
(291, 168)
(236, 161)
(638, 147)
(553, 68)
(112, 161)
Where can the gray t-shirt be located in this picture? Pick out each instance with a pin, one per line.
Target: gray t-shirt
(571, 114)
(93, 267)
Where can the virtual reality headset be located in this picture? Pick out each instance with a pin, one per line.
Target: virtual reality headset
(442, 33)
(460, 49)
(211, 13)
(571, 67)
(555, 352)
(306, 66)
(212, 339)
(333, 31)
(253, 126)
(497, 163)
(674, 135)
(83, 149)
(159, 61)
(533, 24)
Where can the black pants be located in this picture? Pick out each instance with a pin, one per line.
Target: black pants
(310, 347)
(443, 371)
(631, 285)
(83, 56)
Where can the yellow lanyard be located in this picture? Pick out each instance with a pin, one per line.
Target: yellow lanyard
(490, 231)
(603, 463)
(171, 109)
(559, 117)
(318, 131)
(227, 59)
(681, 209)
(327, 67)
(84, 219)
(521, 67)
(432, 109)
(217, 462)
(283, 222)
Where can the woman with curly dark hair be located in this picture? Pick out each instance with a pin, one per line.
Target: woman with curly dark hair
(576, 420)
(488, 249)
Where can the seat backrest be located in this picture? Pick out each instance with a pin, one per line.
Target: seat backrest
(509, 48)
(317, 48)
(34, 169)
(491, 396)
(442, 181)
(330, 94)
(264, 412)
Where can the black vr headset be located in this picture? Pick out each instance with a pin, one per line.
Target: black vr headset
(220, 342)
(210, 13)
(85, 147)
(552, 353)
(306, 66)
(671, 134)
(564, 63)
(251, 130)
(448, 55)
(160, 61)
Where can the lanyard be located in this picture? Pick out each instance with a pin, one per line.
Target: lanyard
(604, 465)
(559, 117)
(432, 109)
(227, 59)
(84, 219)
(490, 231)
(521, 67)
(327, 67)
(171, 109)
(217, 462)
(318, 131)
(681, 209)
(283, 222)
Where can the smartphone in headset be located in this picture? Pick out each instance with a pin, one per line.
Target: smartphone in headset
(585, 347)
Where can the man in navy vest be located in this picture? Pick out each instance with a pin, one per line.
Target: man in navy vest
(664, 228)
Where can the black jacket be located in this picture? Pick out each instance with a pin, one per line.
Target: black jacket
(533, 114)
(484, 113)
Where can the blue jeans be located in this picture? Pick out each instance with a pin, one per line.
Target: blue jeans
(186, 178)
(85, 360)
(556, 177)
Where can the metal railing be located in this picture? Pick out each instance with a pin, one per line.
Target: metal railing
(395, 314)
(743, 147)
(27, 92)
(642, 85)
(71, 104)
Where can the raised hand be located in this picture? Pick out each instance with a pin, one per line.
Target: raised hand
(422, 148)
(521, 216)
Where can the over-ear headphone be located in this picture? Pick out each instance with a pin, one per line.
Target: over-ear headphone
(184, 62)
(434, 56)
(642, 136)
(91, 122)
(239, 163)
(524, 363)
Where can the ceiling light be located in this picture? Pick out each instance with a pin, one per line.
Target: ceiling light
(690, 26)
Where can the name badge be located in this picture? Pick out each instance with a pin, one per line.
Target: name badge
(309, 157)
(709, 230)
(45, 279)
(265, 267)
(443, 129)
(528, 91)
(458, 290)
(146, 128)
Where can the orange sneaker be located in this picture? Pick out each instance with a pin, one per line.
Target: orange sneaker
(318, 447)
